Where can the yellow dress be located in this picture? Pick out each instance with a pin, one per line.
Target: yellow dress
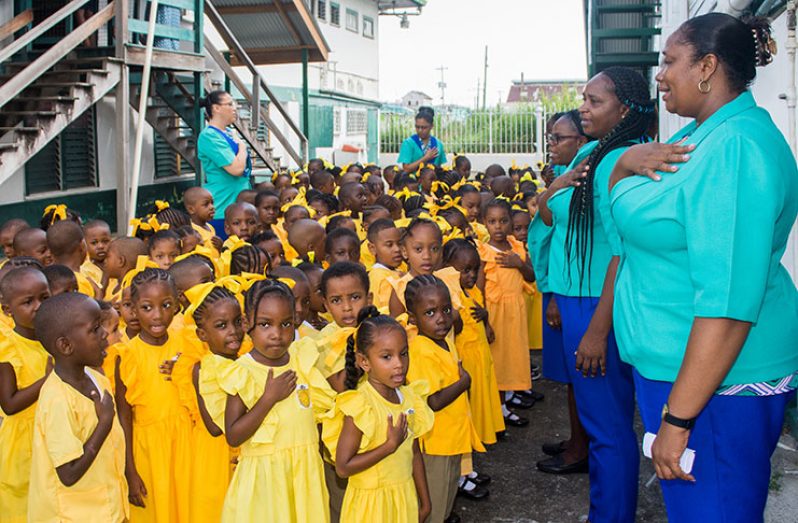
(206, 233)
(161, 432)
(212, 467)
(366, 258)
(308, 330)
(453, 432)
(379, 284)
(92, 271)
(481, 231)
(385, 491)
(472, 346)
(29, 361)
(65, 419)
(109, 363)
(534, 313)
(288, 250)
(279, 476)
(331, 345)
(449, 275)
(84, 285)
(504, 299)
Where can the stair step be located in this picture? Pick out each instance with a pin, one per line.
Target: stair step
(62, 84)
(20, 129)
(7, 147)
(63, 99)
(31, 113)
(55, 72)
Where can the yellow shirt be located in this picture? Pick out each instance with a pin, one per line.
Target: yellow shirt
(206, 233)
(84, 285)
(366, 258)
(380, 285)
(29, 361)
(332, 348)
(453, 432)
(308, 330)
(65, 419)
(91, 271)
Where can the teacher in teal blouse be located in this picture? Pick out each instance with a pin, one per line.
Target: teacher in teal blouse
(704, 310)
(422, 147)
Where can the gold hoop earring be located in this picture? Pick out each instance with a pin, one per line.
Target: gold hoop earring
(704, 87)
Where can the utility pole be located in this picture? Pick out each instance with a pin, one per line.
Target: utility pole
(442, 84)
(476, 102)
(485, 80)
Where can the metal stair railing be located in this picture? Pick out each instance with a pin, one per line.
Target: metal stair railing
(52, 56)
(259, 87)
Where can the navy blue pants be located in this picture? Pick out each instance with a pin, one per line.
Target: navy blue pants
(606, 409)
(553, 360)
(218, 224)
(733, 439)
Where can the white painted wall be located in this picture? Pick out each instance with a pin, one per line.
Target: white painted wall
(770, 83)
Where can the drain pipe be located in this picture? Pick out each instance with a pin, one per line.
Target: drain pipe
(144, 93)
(790, 96)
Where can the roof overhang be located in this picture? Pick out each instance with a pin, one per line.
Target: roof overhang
(391, 6)
(274, 31)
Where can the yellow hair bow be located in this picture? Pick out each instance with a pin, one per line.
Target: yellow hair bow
(311, 257)
(540, 165)
(421, 166)
(346, 167)
(288, 282)
(405, 193)
(518, 207)
(437, 184)
(327, 165)
(366, 176)
(248, 279)
(454, 234)
(527, 177)
(59, 212)
(513, 165)
(324, 220)
(299, 199)
(402, 222)
(232, 244)
(459, 184)
(442, 224)
(447, 203)
(161, 205)
(196, 295)
(142, 263)
(503, 197)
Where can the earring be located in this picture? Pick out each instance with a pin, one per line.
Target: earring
(704, 87)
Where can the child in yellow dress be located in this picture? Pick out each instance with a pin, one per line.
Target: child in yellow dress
(24, 365)
(199, 206)
(98, 237)
(313, 273)
(157, 426)
(434, 360)
(507, 272)
(217, 314)
(374, 428)
(533, 298)
(78, 460)
(275, 400)
(473, 341)
(384, 243)
(163, 247)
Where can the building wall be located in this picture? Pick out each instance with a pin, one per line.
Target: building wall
(771, 82)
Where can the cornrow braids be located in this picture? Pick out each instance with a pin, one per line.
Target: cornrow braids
(174, 217)
(418, 283)
(632, 91)
(160, 236)
(24, 261)
(454, 247)
(259, 290)
(50, 218)
(216, 295)
(419, 222)
(450, 178)
(498, 202)
(414, 203)
(148, 276)
(246, 259)
(353, 372)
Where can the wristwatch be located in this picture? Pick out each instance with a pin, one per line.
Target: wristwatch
(682, 423)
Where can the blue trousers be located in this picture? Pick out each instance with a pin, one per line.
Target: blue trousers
(606, 409)
(553, 361)
(219, 226)
(733, 439)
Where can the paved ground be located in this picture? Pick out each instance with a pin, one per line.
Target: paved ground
(519, 493)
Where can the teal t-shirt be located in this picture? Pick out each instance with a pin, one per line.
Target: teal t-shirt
(410, 152)
(215, 154)
(565, 276)
(539, 236)
(707, 241)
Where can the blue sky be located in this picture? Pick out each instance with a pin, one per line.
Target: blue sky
(544, 39)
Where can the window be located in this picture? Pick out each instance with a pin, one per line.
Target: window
(321, 9)
(368, 27)
(337, 121)
(67, 162)
(356, 121)
(335, 14)
(352, 20)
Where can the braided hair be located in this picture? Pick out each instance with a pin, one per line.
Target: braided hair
(216, 295)
(247, 258)
(174, 217)
(419, 222)
(454, 247)
(417, 284)
(259, 290)
(148, 276)
(369, 321)
(49, 218)
(414, 203)
(631, 90)
(498, 202)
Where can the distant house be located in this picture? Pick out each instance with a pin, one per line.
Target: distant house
(415, 99)
(522, 91)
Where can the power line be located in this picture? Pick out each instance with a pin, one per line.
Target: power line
(442, 84)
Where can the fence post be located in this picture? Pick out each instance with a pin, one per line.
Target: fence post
(539, 130)
(490, 132)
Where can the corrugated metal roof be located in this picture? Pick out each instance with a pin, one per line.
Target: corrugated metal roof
(260, 30)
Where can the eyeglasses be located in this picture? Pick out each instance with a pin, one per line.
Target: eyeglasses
(554, 139)
(231, 104)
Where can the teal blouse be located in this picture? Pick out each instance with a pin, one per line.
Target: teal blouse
(538, 241)
(565, 277)
(707, 241)
(215, 154)
(410, 152)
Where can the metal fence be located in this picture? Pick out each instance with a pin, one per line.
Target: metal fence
(492, 131)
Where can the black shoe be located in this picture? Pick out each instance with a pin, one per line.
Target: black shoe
(519, 402)
(452, 518)
(480, 479)
(477, 493)
(552, 449)
(514, 420)
(531, 395)
(557, 465)
(502, 436)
